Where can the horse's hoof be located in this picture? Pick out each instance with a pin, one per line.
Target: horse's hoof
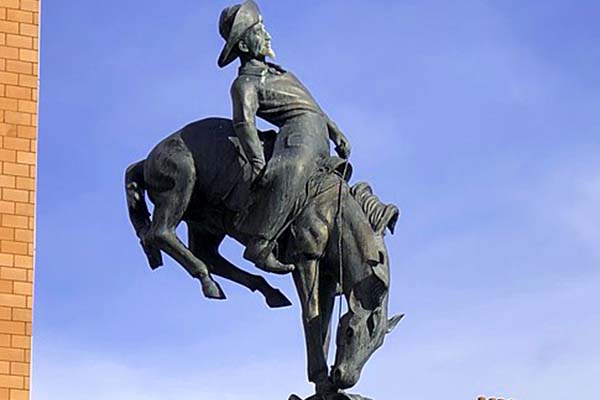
(212, 290)
(276, 299)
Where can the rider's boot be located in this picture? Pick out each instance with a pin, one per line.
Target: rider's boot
(260, 252)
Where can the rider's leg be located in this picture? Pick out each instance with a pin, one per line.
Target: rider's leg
(300, 144)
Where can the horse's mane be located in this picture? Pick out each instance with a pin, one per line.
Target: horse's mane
(379, 214)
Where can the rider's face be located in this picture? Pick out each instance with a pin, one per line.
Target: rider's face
(258, 41)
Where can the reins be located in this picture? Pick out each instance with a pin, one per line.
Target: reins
(339, 223)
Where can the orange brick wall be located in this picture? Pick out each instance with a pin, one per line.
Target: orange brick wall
(19, 27)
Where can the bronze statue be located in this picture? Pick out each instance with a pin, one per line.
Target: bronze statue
(283, 196)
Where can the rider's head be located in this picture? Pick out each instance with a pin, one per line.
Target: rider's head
(244, 32)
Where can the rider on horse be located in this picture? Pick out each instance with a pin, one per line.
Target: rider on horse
(277, 96)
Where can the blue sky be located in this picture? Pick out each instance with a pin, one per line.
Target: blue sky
(479, 119)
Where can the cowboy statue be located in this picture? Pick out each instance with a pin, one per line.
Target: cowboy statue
(283, 196)
(266, 90)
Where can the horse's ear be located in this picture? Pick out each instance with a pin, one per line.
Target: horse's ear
(392, 322)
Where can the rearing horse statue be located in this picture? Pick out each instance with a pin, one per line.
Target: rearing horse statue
(334, 238)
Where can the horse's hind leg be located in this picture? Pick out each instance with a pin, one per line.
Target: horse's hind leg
(206, 247)
(176, 169)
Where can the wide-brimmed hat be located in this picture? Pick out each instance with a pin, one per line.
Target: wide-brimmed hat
(233, 23)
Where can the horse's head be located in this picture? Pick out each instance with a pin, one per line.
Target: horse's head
(361, 331)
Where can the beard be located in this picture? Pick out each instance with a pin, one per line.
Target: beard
(264, 49)
(269, 52)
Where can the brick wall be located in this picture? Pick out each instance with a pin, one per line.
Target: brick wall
(19, 22)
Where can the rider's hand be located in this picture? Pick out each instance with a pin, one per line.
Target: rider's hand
(343, 147)
(258, 173)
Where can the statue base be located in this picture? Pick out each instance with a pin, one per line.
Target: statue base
(332, 396)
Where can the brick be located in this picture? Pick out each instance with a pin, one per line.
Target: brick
(28, 81)
(2, 12)
(22, 42)
(27, 105)
(15, 195)
(27, 210)
(28, 333)
(28, 30)
(31, 224)
(10, 53)
(7, 260)
(23, 235)
(15, 169)
(30, 277)
(20, 67)
(7, 130)
(9, 104)
(25, 183)
(30, 301)
(19, 16)
(7, 181)
(6, 286)
(18, 118)
(11, 381)
(32, 145)
(22, 288)
(7, 233)
(10, 78)
(9, 26)
(7, 207)
(36, 45)
(32, 171)
(17, 92)
(12, 300)
(26, 157)
(36, 18)
(5, 313)
(12, 327)
(16, 143)
(12, 247)
(27, 132)
(15, 221)
(30, 5)
(10, 3)
(22, 314)
(4, 368)
(28, 55)
(15, 274)
(20, 394)
(19, 368)
(5, 340)
(8, 155)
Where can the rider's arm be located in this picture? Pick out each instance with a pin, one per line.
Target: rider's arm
(338, 138)
(245, 105)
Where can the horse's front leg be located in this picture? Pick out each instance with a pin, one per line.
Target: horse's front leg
(306, 279)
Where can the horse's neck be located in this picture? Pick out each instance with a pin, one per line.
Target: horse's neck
(360, 247)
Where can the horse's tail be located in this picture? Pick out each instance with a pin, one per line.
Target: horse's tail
(135, 189)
